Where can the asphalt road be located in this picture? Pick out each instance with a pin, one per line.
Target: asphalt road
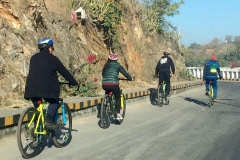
(185, 130)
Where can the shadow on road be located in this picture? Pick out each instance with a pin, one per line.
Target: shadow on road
(153, 95)
(196, 101)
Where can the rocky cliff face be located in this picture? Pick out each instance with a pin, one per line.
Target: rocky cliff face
(24, 22)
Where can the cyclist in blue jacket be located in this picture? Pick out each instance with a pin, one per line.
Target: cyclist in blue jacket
(210, 73)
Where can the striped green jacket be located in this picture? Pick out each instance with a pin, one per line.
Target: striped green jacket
(110, 72)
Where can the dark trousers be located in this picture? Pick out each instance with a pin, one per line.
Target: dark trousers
(214, 83)
(116, 92)
(164, 75)
(52, 107)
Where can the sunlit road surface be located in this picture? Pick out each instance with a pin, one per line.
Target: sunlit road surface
(186, 129)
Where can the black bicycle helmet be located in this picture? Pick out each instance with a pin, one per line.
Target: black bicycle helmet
(45, 43)
(166, 53)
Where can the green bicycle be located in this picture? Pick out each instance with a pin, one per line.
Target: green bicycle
(31, 131)
(161, 95)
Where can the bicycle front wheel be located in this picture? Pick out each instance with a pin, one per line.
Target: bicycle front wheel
(28, 141)
(160, 96)
(122, 108)
(62, 135)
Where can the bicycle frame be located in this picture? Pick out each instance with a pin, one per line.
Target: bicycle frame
(40, 116)
(63, 113)
(121, 99)
(163, 87)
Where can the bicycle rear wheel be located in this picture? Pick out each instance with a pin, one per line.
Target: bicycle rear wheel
(210, 97)
(28, 141)
(62, 135)
(160, 95)
(105, 112)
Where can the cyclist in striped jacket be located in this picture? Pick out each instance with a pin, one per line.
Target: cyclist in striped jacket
(110, 82)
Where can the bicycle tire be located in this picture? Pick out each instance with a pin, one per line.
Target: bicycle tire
(28, 133)
(104, 116)
(210, 97)
(122, 108)
(167, 100)
(62, 136)
(212, 94)
(160, 96)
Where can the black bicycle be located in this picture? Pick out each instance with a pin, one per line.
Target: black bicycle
(108, 109)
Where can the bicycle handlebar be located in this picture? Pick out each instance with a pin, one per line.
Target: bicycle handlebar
(125, 79)
(64, 83)
(158, 76)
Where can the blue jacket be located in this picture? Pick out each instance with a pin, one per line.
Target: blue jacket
(206, 70)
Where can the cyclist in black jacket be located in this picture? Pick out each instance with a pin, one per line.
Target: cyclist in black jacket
(42, 79)
(163, 70)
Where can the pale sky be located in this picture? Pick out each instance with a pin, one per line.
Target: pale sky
(201, 21)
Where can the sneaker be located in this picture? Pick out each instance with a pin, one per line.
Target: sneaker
(215, 100)
(206, 93)
(168, 96)
(119, 117)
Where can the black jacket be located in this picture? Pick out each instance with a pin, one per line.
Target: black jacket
(111, 70)
(42, 79)
(164, 64)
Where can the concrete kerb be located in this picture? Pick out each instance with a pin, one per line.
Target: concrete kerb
(91, 106)
(226, 79)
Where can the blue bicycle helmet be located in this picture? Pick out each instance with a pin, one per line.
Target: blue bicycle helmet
(45, 43)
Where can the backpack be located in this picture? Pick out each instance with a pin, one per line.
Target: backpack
(213, 67)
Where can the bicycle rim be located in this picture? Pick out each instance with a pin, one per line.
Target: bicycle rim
(105, 110)
(28, 142)
(160, 96)
(210, 98)
(62, 135)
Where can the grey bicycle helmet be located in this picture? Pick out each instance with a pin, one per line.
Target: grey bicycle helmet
(45, 43)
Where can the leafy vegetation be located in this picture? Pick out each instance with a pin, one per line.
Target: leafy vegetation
(228, 52)
(106, 15)
(85, 75)
(152, 15)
